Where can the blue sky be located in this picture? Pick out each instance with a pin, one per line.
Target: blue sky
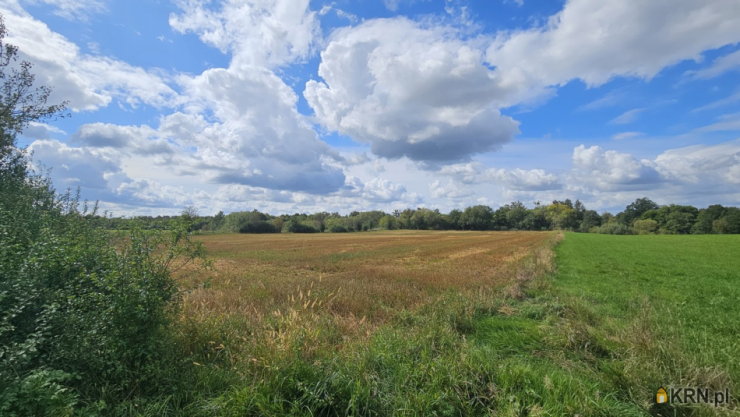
(299, 106)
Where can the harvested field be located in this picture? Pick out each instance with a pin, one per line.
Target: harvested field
(352, 324)
(364, 274)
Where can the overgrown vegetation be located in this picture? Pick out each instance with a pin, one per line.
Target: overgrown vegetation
(84, 323)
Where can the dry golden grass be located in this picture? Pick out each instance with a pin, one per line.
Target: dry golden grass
(272, 287)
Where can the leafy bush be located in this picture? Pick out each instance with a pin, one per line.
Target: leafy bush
(612, 228)
(83, 319)
(295, 227)
(258, 227)
(338, 229)
(78, 312)
(645, 227)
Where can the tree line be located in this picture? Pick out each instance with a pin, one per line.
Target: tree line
(643, 216)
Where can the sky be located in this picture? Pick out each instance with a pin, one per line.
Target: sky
(291, 106)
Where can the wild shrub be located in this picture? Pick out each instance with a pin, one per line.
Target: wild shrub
(83, 319)
(645, 227)
(338, 229)
(296, 227)
(614, 228)
(258, 227)
(78, 312)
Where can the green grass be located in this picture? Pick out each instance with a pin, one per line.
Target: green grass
(625, 315)
(690, 283)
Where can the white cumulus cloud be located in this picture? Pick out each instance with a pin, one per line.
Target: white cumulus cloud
(409, 90)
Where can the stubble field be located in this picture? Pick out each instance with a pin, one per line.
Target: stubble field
(371, 275)
(363, 323)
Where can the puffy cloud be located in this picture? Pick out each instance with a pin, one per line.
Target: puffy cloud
(88, 82)
(141, 140)
(423, 91)
(596, 41)
(36, 130)
(606, 179)
(238, 125)
(520, 179)
(258, 137)
(257, 32)
(409, 90)
(420, 93)
(466, 173)
(380, 190)
(705, 165)
(77, 167)
(450, 190)
(612, 170)
(100, 174)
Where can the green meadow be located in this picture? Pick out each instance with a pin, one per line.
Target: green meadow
(621, 317)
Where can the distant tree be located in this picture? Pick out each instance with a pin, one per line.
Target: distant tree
(404, 220)
(580, 210)
(217, 221)
(190, 213)
(515, 213)
(278, 222)
(680, 222)
(590, 219)
(562, 216)
(418, 220)
(635, 210)
(454, 219)
(607, 217)
(732, 219)
(388, 222)
(719, 226)
(673, 218)
(477, 218)
(536, 219)
(614, 228)
(20, 101)
(706, 217)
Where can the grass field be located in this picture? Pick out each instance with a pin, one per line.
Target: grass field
(664, 308)
(458, 323)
